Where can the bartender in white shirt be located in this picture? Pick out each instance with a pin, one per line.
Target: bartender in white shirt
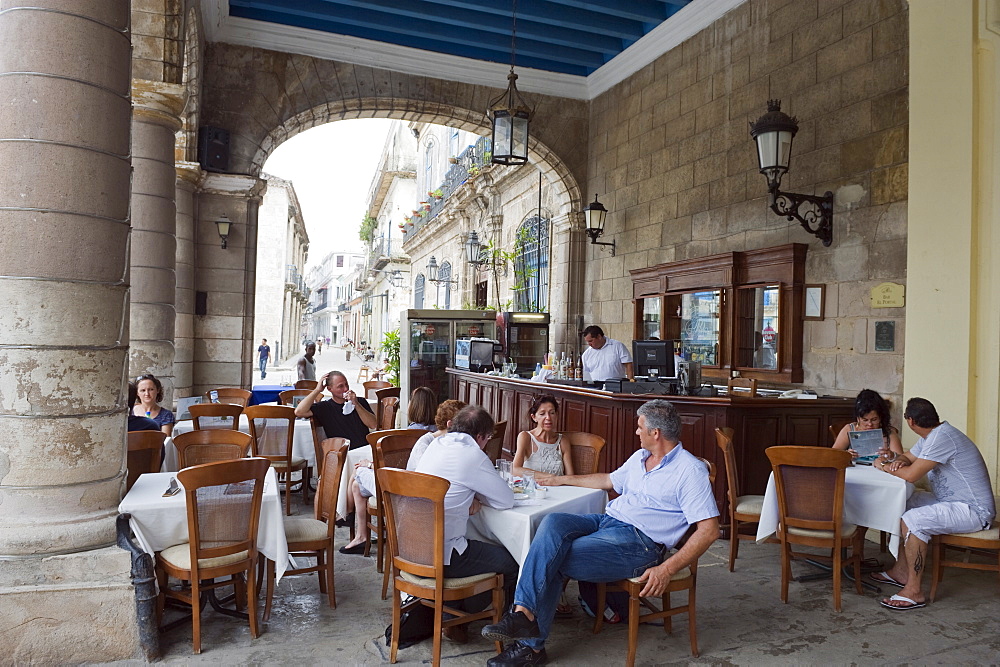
(605, 358)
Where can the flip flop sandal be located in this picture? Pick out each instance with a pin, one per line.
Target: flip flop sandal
(884, 578)
(899, 598)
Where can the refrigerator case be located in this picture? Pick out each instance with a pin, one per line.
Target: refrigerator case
(428, 346)
(525, 339)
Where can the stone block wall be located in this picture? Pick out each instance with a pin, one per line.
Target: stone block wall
(671, 155)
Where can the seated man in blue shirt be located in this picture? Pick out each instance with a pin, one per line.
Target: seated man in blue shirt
(663, 488)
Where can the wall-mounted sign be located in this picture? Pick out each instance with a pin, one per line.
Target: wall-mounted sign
(888, 295)
(885, 336)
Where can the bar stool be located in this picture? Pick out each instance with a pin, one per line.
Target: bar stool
(363, 372)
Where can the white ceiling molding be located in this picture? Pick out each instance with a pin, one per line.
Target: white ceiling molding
(689, 21)
(219, 26)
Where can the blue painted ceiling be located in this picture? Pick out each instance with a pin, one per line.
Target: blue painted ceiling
(572, 37)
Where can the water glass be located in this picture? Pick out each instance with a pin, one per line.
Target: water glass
(528, 479)
(503, 468)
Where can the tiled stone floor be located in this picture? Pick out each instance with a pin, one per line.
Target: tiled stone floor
(741, 620)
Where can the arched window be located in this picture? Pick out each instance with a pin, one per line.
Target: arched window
(418, 291)
(531, 266)
(430, 154)
(444, 274)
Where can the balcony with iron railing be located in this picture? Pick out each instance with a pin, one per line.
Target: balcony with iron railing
(467, 167)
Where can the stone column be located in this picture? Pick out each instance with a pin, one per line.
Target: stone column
(155, 120)
(223, 341)
(188, 176)
(568, 257)
(65, 594)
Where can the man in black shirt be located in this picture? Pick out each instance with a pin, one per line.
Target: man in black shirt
(330, 414)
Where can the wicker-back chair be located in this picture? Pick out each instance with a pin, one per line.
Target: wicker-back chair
(743, 510)
(273, 431)
(494, 446)
(211, 446)
(585, 451)
(216, 416)
(145, 454)
(233, 395)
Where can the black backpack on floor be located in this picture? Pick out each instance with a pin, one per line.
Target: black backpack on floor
(415, 625)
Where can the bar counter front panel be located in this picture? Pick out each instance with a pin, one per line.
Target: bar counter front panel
(758, 423)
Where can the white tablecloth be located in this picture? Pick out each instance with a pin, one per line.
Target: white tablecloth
(160, 522)
(302, 442)
(872, 498)
(515, 528)
(353, 456)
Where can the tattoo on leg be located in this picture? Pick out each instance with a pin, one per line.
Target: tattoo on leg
(918, 563)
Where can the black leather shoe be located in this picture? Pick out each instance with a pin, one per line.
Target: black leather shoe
(346, 522)
(518, 654)
(513, 625)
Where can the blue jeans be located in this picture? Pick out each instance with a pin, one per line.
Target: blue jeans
(585, 547)
(263, 366)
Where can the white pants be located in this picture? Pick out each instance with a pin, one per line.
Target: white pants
(928, 516)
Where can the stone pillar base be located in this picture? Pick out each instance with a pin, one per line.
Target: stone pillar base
(68, 609)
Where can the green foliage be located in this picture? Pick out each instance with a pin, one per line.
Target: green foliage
(390, 350)
(367, 231)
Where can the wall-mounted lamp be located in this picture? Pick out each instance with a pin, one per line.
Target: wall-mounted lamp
(432, 272)
(396, 278)
(474, 250)
(773, 133)
(596, 215)
(223, 223)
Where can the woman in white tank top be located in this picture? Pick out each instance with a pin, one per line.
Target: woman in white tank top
(541, 449)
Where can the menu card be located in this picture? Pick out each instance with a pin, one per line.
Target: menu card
(866, 443)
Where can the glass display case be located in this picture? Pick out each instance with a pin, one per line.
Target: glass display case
(428, 345)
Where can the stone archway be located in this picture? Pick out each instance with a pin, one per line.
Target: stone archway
(263, 98)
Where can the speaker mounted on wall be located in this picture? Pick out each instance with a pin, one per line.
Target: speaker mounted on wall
(213, 149)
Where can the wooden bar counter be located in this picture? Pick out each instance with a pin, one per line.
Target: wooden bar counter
(758, 422)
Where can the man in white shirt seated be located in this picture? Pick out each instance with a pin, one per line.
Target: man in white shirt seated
(960, 501)
(605, 358)
(458, 457)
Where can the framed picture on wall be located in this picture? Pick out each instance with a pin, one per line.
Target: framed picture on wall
(815, 306)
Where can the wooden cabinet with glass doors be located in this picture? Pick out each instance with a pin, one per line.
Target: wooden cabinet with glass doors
(737, 311)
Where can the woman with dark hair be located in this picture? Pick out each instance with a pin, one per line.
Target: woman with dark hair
(871, 411)
(541, 449)
(422, 408)
(150, 391)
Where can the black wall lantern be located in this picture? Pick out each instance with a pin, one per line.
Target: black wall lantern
(510, 113)
(773, 133)
(596, 215)
(474, 250)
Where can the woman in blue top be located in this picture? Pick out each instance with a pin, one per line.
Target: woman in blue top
(150, 394)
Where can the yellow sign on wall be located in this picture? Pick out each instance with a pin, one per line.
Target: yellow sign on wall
(888, 295)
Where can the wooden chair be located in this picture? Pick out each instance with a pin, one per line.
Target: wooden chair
(273, 431)
(211, 446)
(313, 537)
(392, 450)
(145, 454)
(233, 395)
(742, 509)
(981, 542)
(380, 403)
(585, 451)
(364, 373)
(414, 507)
(306, 384)
(373, 385)
(810, 486)
(288, 396)
(388, 408)
(223, 508)
(216, 416)
(685, 580)
(737, 386)
(494, 446)
(836, 427)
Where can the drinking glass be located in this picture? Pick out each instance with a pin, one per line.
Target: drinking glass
(529, 484)
(503, 467)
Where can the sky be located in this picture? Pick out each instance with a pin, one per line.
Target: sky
(331, 167)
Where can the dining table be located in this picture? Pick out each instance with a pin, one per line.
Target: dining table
(160, 522)
(872, 498)
(514, 528)
(302, 442)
